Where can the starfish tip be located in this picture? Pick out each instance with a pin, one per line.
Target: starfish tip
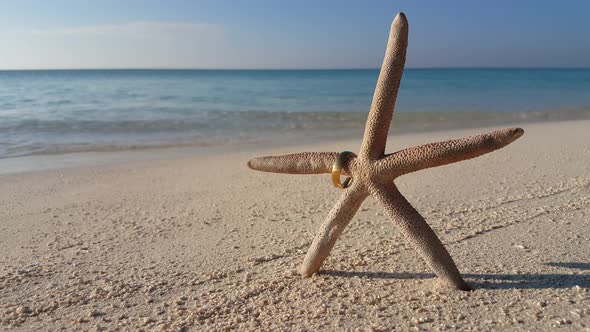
(306, 273)
(251, 163)
(512, 134)
(400, 19)
(517, 132)
(507, 136)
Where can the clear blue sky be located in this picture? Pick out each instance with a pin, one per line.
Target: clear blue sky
(289, 34)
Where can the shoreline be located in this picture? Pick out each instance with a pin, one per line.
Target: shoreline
(120, 155)
(254, 127)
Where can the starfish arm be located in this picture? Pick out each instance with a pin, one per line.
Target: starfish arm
(338, 218)
(381, 112)
(447, 152)
(297, 163)
(419, 234)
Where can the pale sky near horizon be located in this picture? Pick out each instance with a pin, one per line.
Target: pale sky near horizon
(40, 34)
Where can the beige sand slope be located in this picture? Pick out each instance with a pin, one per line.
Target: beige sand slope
(207, 244)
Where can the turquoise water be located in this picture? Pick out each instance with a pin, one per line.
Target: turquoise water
(85, 110)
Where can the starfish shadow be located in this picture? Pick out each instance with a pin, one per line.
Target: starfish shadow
(485, 281)
(570, 265)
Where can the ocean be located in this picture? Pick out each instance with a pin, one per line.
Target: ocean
(61, 111)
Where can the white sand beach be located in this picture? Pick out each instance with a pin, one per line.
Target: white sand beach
(202, 243)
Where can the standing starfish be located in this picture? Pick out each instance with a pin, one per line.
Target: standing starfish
(373, 171)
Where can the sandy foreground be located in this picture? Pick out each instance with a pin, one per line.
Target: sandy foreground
(203, 243)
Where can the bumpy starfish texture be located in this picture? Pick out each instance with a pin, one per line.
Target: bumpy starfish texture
(373, 172)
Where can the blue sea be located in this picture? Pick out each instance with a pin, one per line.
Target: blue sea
(60, 111)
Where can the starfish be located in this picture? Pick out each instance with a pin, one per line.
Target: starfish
(373, 172)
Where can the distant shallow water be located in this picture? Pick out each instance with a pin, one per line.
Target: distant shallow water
(45, 112)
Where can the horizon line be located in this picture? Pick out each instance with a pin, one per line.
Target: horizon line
(286, 69)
